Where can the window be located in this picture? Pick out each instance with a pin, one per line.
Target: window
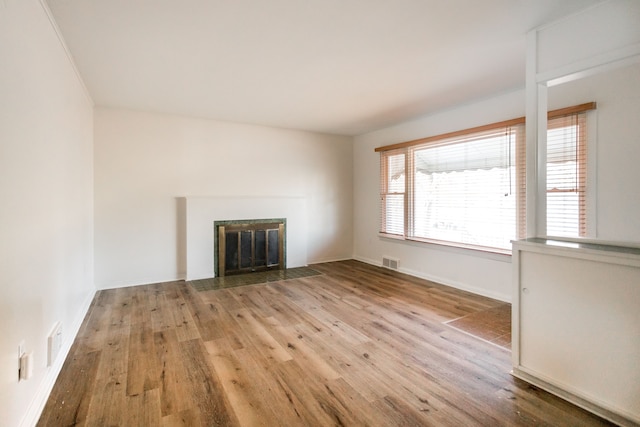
(567, 176)
(462, 189)
(468, 188)
(392, 199)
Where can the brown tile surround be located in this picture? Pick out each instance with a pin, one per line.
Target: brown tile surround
(492, 324)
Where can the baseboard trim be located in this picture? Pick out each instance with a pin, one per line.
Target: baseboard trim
(445, 282)
(38, 402)
(615, 417)
(322, 261)
(144, 282)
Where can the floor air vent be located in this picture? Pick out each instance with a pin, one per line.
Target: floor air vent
(391, 263)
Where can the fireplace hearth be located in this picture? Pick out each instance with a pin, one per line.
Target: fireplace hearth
(247, 246)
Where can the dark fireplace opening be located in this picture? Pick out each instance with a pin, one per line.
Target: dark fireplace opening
(246, 246)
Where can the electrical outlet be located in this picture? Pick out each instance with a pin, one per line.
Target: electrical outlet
(21, 348)
(54, 343)
(26, 366)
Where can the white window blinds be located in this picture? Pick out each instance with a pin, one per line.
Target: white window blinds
(462, 190)
(465, 190)
(566, 176)
(468, 188)
(392, 194)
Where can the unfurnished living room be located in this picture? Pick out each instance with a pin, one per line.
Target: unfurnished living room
(320, 213)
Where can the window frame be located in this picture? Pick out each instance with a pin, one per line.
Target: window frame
(513, 127)
(405, 147)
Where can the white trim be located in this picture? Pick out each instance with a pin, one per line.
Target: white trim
(571, 248)
(572, 395)
(515, 307)
(321, 261)
(444, 282)
(531, 134)
(477, 252)
(562, 20)
(41, 396)
(145, 282)
(63, 44)
(609, 60)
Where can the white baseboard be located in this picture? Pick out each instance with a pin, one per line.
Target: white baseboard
(446, 282)
(36, 406)
(328, 260)
(149, 281)
(589, 403)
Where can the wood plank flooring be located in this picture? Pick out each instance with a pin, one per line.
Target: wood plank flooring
(357, 345)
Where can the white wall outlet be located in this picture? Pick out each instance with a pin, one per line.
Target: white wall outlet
(54, 343)
(26, 366)
(25, 362)
(20, 353)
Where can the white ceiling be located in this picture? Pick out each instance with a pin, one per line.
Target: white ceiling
(335, 66)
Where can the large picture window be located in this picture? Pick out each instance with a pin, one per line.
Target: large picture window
(464, 189)
(468, 188)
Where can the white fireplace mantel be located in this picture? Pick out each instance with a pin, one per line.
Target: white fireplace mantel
(198, 213)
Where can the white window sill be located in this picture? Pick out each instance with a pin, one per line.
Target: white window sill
(496, 254)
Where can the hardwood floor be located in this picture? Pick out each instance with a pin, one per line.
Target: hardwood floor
(356, 345)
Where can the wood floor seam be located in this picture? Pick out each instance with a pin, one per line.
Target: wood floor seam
(354, 345)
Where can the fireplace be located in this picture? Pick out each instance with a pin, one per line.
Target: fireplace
(246, 246)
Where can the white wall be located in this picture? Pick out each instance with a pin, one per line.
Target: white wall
(482, 273)
(46, 234)
(145, 161)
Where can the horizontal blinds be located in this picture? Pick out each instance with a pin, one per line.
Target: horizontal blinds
(392, 192)
(465, 189)
(468, 187)
(486, 150)
(566, 176)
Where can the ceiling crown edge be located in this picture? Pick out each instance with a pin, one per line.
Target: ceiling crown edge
(56, 29)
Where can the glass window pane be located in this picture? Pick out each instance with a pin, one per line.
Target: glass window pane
(566, 176)
(465, 192)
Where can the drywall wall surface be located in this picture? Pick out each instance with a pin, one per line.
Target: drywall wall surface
(46, 220)
(146, 162)
(479, 272)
